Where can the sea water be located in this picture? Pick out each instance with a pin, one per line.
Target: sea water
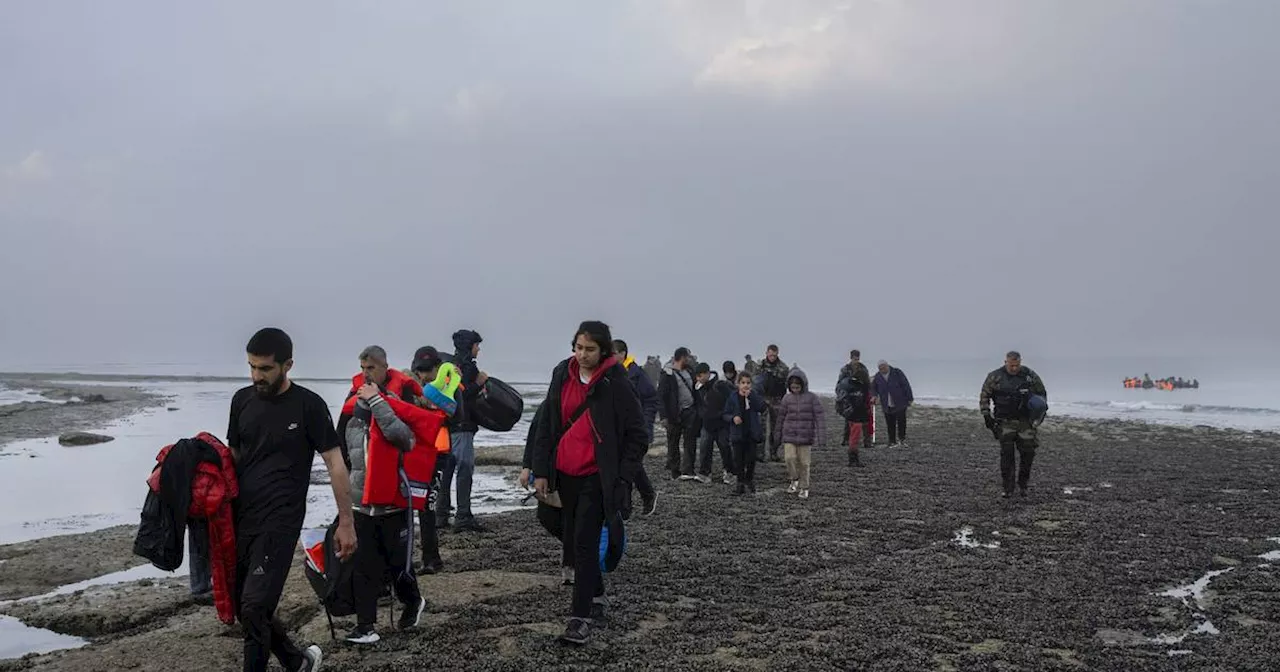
(84, 488)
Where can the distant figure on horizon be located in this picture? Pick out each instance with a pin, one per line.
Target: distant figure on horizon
(653, 369)
(1006, 392)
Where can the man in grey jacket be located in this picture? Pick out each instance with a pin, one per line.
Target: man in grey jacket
(381, 531)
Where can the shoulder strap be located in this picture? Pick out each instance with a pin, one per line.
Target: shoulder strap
(577, 413)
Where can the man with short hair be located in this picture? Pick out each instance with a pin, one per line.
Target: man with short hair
(858, 371)
(680, 410)
(276, 429)
(462, 435)
(382, 529)
(1006, 391)
(649, 407)
(772, 385)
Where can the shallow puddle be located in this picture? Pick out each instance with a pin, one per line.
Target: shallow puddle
(18, 639)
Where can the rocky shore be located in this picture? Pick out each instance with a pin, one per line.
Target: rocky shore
(1140, 548)
(70, 407)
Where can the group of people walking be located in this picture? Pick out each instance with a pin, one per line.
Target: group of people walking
(584, 457)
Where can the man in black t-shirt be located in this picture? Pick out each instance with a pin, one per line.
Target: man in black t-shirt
(276, 429)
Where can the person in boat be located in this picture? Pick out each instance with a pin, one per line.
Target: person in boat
(1147, 382)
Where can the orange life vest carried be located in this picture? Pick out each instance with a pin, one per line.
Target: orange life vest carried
(382, 486)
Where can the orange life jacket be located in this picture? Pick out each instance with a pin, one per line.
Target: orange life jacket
(382, 485)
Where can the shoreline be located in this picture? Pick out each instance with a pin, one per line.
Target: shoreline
(911, 562)
(70, 408)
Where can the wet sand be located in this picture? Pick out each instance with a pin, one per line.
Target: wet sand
(99, 405)
(909, 563)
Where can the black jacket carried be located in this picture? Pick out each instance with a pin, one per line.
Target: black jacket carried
(622, 439)
(164, 513)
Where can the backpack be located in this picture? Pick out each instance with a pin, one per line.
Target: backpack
(332, 580)
(851, 400)
(498, 406)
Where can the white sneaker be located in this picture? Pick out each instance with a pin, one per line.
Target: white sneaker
(804, 494)
(688, 477)
(793, 488)
(311, 659)
(728, 478)
(702, 479)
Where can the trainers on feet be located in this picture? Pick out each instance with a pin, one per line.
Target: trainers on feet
(311, 659)
(468, 525)
(599, 610)
(566, 576)
(804, 494)
(648, 504)
(702, 479)
(727, 478)
(688, 477)
(577, 632)
(412, 614)
(793, 488)
(363, 634)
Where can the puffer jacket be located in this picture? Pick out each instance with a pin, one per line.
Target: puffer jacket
(212, 486)
(800, 415)
(394, 430)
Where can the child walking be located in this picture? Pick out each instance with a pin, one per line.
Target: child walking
(852, 405)
(742, 411)
(801, 422)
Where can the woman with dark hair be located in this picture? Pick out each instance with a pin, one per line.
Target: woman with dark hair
(588, 448)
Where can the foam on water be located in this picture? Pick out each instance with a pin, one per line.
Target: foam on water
(11, 395)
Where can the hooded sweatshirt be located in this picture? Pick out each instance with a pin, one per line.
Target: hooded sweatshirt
(800, 414)
(463, 341)
(576, 454)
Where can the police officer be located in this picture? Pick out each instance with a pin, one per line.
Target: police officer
(1018, 399)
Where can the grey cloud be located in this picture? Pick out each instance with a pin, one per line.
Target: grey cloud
(1062, 178)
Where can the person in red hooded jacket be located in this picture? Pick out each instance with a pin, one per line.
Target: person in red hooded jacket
(588, 448)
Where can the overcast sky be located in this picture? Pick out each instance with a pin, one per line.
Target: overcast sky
(917, 178)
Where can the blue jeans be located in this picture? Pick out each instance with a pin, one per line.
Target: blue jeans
(198, 550)
(463, 447)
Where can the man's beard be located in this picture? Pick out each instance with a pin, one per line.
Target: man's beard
(269, 389)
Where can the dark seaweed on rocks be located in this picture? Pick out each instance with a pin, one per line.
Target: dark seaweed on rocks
(910, 563)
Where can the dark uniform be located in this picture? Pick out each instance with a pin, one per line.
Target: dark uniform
(773, 387)
(1004, 395)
